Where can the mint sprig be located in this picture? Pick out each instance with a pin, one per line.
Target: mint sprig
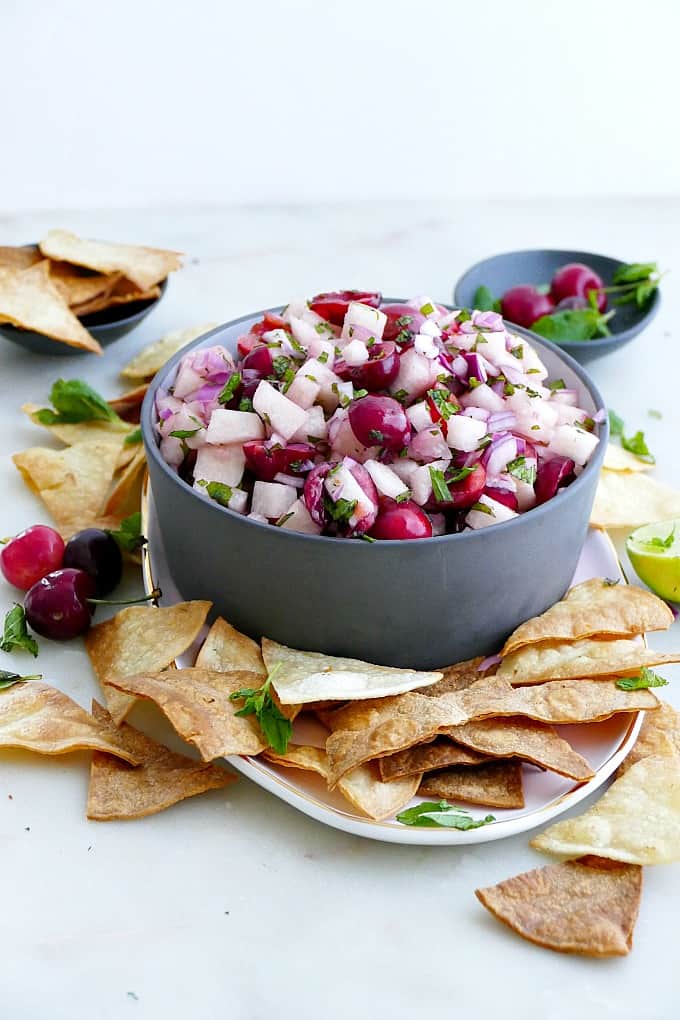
(15, 632)
(646, 678)
(430, 814)
(276, 729)
(74, 401)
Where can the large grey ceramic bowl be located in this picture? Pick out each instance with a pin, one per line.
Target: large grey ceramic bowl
(420, 603)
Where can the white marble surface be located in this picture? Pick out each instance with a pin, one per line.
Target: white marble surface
(233, 904)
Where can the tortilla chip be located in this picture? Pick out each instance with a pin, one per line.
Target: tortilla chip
(141, 639)
(129, 405)
(457, 677)
(618, 459)
(145, 267)
(299, 756)
(122, 293)
(160, 779)
(659, 736)
(594, 608)
(196, 701)
(226, 649)
(636, 821)
(494, 784)
(302, 677)
(625, 499)
(526, 739)
(126, 496)
(29, 299)
(437, 754)
(589, 657)
(366, 730)
(79, 286)
(72, 483)
(151, 359)
(37, 717)
(588, 906)
(19, 258)
(81, 431)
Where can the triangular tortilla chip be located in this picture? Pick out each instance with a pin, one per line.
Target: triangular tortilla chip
(594, 608)
(457, 677)
(197, 703)
(659, 735)
(78, 286)
(226, 649)
(72, 483)
(588, 906)
(141, 639)
(618, 459)
(588, 657)
(436, 754)
(29, 299)
(126, 495)
(37, 717)
(301, 677)
(129, 404)
(143, 266)
(494, 784)
(151, 359)
(124, 292)
(636, 821)
(625, 499)
(19, 258)
(160, 779)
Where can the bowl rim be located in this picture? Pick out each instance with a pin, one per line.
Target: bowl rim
(572, 255)
(152, 448)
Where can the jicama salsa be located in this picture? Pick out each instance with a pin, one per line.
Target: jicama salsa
(347, 417)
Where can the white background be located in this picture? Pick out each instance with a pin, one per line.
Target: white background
(158, 102)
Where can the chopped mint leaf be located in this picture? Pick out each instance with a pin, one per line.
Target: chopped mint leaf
(129, 535)
(75, 401)
(403, 497)
(427, 308)
(401, 396)
(220, 492)
(440, 489)
(134, 437)
(280, 365)
(646, 678)
(283, 518)
(230, 388)
(445, 407)
(15, 634)
(615, 423)
(370, 342)
(323, 327)
(276, 728)
(653, 413)
(522, 471)
(376, 435)
(637, 445)
(441, 813)
(660, 544)
(484, 301)
(323, 357)
(358, 394)
(517, 352)
(473, 382)
(509, 389)
(367, 538)
(185, 433)
(7, 678)
(458, 474)
(340, 510)
(557, 384)
(245, 404)
(483, 509)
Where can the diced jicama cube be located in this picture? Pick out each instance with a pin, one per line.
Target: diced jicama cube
(303, 391)
(220, 464)
(532, 364)
(303, 331)
(238, 499)
(429, 445)
(314, 426)
(574, 443)
(272, 500)
(483, 396)
(568, 415)
(464, 433)
(419, 415)
(172, 451)
(299, 519)
(430, 328)
(526, 497)
(281, 414)
(321, 374)
(425, 344)
(417, 374)
(494, 349)
(355, 353)
(192, 428)
(405, 468)
(421, 481)
(340, 483)
(322, 348)
(227, 426)
(363, 315)
(385, 480)
(257, 517)
(187, 380)
(494, 513)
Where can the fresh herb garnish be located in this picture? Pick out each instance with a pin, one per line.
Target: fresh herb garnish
(220, 492)
(517, 352)
(484, 301)
(376, 435)
(358, 394)
(229, 391)
(440, 489)
(134, 437)
(557, 384)
(458, 474)
(635, 444)
(440, 813)
(473, 382)
(75, 401)
(340, 510)
(185, 433)
(7, 678)
(573, 324)
(427, 308)
(323, 357)
(635, 283)
(483, 509)
(367, 538)
(615, 423)
(280, 366)
(283, 518)
(276, 728)
(445, 407)
(245, 404)
(655, 544)
(646, 678)
(401, 396)
(15, 633)
(129, 535)
(521, 470)
(653, 413)
(403, 497)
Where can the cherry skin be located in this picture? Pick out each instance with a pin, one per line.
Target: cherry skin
(99, 555)
(267, 463)
(379, 421)
(57, 607)
(376, 373)
(401, 521)
(504, 496)
(313, 494)
(259, 360)
(30, 555)
(464, 492)
(552, 475)
(333, 306)
(576, 280)
(403, 322)
(523, 305)
(268, 323)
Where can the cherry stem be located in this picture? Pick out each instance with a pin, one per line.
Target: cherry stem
(155, 595)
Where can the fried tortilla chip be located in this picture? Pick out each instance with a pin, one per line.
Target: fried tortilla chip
(122, 293)
(19, 258)
(37, 717)
(626, 499)
(126, 495)
(303, 677)
(588, 657)
(363, 787)
(618, 459)
(128, 405)
(588, 906)
(141, 639)
(226, 649)
(636, 821)
(72, 483)
(160, 779)
(659, 735)
(437, 754)
(457, 677)
(196, 701)
(79, 286)
(366, 730)
(527, 739)
(594, 608)
(494, 784)
(151, 359)
(145, 267)
(72, 433)
(29, 299)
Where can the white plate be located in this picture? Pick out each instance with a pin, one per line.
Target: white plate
(546, 795)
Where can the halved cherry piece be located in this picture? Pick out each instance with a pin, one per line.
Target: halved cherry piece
(259, 359)
(269, 322)
(376, 373)
(401, 521)
(379, 421)
(403, 322)
(463, 493)
(333, 305)
(504, 496)
(267, 462)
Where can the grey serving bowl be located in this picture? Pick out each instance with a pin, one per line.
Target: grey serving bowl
(105, 326)
(423, 603)
(500, 272)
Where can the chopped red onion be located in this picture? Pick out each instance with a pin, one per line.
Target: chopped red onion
(491, 660)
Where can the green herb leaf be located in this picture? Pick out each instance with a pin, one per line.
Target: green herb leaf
(445, 406)
(615, 423)
(522, 471)
(184, 433)
(276, 729)
(220, 492)
(458, 474)
(646, 679)
(557, 384)
(340, 510)
(660, 544)
(358, 394)
(15, 633)
(134, 437)
(484, 301)
(281, 365)
(7, 678)
(229, 391)
(637, 445)
(440, 489)
(400, 395)
(245, 404)
(129, 536)
(653, 413)
(634, 272)
(403, 497)
(573, 324)
(440, 813)
(483, 509)
(427, 308)
(75, 401)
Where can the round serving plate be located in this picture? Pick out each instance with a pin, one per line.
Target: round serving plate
(604, 744)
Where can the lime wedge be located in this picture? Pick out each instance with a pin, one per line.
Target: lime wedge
(654, 551)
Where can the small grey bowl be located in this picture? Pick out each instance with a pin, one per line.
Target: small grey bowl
(500, 272)
(422, 603)
(105, 326)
